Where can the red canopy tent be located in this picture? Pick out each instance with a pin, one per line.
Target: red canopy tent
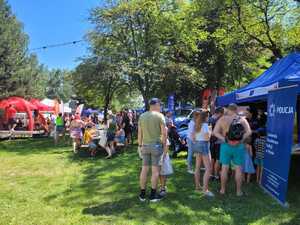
(21, 105)
(41, 106)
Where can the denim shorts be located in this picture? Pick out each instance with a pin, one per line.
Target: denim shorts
(120, 139)
(110, 136)
(151, 154)
(200, 147)
(92, 145)
(60, 129)
(259, 162)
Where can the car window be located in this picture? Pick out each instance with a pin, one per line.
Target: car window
(183, 112)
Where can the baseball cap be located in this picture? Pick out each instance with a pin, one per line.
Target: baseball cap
(154, 101)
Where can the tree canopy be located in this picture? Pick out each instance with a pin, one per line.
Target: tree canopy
(182, 47)
(146, 48)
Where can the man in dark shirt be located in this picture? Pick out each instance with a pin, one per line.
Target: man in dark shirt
(127, 128)
(215, 143)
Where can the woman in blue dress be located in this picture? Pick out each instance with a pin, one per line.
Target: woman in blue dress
(248, 167)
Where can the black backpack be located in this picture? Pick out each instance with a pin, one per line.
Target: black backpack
(236, 130)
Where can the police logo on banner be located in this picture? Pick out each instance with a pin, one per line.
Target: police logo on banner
(281, 108)
(272, 110)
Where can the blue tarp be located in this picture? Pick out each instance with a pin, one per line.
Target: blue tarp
(89, 111)
(283, 72)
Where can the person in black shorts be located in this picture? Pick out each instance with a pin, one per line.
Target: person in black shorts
(127, 128)
(215, 144)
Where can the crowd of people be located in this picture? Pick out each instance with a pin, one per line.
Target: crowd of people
(225, 142)
(12, 121)
(94, 132)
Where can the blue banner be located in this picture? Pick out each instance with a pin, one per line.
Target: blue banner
(281, 113)
(171, 103)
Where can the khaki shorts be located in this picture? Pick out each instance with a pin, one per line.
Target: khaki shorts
(152, 154)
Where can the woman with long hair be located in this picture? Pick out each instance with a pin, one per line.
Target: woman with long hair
(200, 147)
(76, 126)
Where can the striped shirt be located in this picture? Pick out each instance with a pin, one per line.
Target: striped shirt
(260, 146)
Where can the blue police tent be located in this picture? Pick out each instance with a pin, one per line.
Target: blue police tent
(283, 72)
(279, 88)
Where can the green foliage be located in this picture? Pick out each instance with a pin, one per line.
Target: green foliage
(59, 85)
(13, 43)
(98, 79)
(145, 33)
(127, 99)
(183, 47)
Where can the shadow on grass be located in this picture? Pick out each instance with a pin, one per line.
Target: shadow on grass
(34, 146)
(251, 208)
(131, 209)
(110, 188)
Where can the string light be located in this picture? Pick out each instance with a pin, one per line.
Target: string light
(56, 45)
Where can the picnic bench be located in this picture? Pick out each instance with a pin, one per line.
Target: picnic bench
(6, 134)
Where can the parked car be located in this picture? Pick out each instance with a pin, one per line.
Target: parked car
(183, 117)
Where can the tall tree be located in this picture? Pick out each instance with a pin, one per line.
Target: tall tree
(167, 46)
(99, 77)
(13, 45)
(59, 85)
(266, 23)
(141, 30)
(31, 79)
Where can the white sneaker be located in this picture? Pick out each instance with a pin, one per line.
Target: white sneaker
(191, 171)
(209, 194)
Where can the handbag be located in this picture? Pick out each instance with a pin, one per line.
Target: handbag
(166, 166)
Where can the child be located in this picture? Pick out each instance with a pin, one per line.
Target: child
(162, 176)
(248, 167)
(88, 139)
(259, 145)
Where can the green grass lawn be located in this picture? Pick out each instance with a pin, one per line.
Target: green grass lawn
(41, 184)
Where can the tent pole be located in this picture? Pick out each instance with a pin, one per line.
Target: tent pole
(298, 121)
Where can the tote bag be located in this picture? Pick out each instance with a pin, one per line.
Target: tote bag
(166, 166)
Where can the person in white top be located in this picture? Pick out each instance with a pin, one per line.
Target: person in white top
(200, 147)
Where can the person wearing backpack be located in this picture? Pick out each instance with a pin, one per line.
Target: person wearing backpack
(232, 130)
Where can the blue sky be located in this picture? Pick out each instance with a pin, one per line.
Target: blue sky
(52, 22)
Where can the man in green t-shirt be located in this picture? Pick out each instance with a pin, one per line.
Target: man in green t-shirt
(152, 138)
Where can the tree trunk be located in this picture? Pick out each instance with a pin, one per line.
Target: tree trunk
(276, 52)
(146, 102)
(106, 105)
(108, 97)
